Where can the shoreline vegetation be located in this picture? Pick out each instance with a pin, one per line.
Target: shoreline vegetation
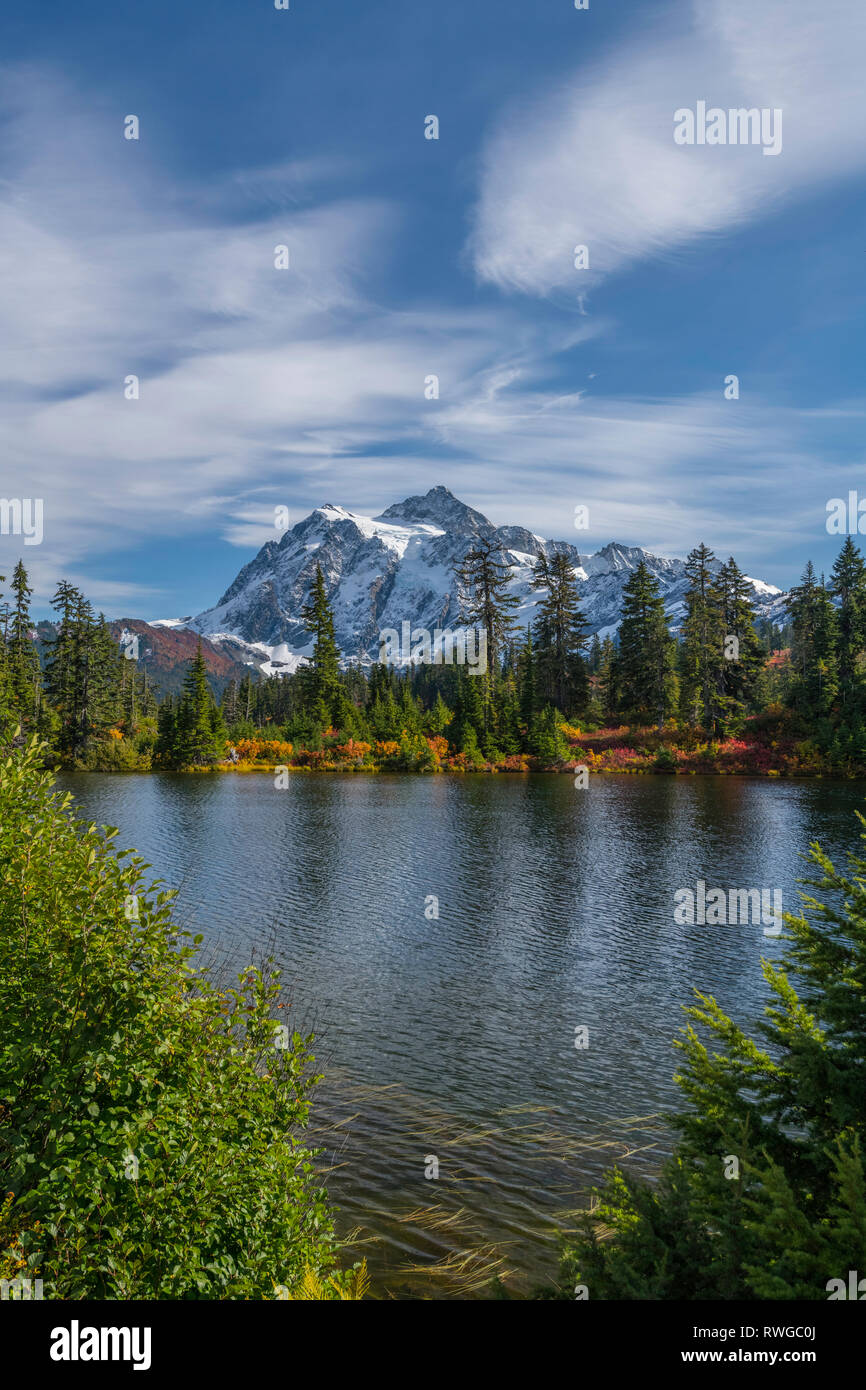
(766, 748)
(724, 693)
(152, 1113)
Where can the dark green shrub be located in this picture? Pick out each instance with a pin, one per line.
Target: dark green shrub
(150, 1128)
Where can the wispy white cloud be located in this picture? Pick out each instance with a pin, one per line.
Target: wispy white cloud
(594, 163)
(262, 388)
(248, 374)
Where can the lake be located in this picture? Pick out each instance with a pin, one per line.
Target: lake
(450, 1039)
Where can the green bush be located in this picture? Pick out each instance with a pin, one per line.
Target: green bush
(665, 760)
(114, 755)
(149, 1123)
(546, 739)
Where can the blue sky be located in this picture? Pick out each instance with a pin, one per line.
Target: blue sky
(559, 387)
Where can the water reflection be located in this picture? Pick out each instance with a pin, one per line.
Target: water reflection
(456, 1035)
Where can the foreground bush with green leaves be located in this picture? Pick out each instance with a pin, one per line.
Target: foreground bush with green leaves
(150, 1128)
(765, 1196)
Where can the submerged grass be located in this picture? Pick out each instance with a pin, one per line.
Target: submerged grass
(508, 1189)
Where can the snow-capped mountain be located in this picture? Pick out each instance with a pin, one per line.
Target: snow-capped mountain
(382, 571)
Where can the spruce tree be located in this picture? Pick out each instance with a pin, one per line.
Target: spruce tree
(23, 664)
(486, 604)
(813, 647)
(741, 672)
(468, 725)
(528, 697)
(165, 752)
(5, 702)
(608, 681)
(646, 658)
(322, 676)
(484, 598)
(61, 666)
(198, 732)
(849, 587)
(703, 650)
(560, 634)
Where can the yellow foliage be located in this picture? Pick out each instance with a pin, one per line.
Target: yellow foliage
(350, 1288)
(12, 1256)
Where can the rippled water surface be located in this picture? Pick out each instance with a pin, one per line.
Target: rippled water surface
(454, 1037)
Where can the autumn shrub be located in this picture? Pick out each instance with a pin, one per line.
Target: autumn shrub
(353, 750)
(262, 750)
(387, 749)
(151, 1119)
(415, 754)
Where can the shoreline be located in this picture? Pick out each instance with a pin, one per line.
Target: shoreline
(769, 774)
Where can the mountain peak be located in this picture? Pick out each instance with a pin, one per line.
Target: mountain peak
(399, 567)
(438, 507)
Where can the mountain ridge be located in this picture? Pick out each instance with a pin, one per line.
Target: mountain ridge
(398, 566)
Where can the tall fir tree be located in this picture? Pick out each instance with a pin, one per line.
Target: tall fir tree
(848, 585)
(646, 661)
(485, 601)
(702, 651)
(813, 647)
(560, 635)
(197, 733)
(741, 672)
(487, 604)
(528, 693)
(322, 677)
(23, 664)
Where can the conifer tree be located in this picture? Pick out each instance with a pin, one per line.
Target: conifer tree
(198, 734)
(165, 748)
(23, 665)
(528, 698)
(439, 717)
(60, 666)
(484, 598)
(5, 704)
(702, 650)
(322, 677)
(742, 668)
(813, 647)
(468, 725)
(646, 656)
(560, 634)
(508, 718)
(787, 1109)
(546, 740)
(608, 681)
(486, 604)
(849, 587)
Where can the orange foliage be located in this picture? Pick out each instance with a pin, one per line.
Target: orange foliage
(258, 750)
(354, 748)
